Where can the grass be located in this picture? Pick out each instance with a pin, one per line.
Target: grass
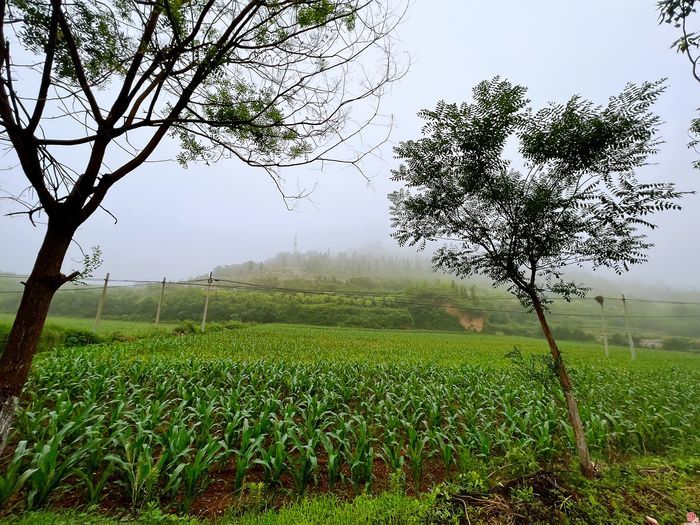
(388, 508)
(663, 488)
(127, 328)
(68, 331)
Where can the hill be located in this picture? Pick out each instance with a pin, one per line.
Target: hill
(378, 290)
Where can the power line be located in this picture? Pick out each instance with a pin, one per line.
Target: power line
(247, 286)
(414, 303)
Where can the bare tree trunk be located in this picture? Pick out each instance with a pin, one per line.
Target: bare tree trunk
(39, 289)
(587, 467)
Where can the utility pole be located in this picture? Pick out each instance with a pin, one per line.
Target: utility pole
(100, 307)
(599, 299)
(206, 301)
(160, 301)
(633, 353)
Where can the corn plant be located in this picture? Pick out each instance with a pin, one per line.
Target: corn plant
(415, 452)
(274, 458)
(303, 459)
(393, 449)
(159, 417)
(196, 472)
(334, 458)
(140, 471)
(176, 444)
(250, 443)
(16, 475)
(361, 457)
(445, 448)
(51, 463)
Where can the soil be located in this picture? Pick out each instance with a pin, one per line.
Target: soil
(220, 497)
(466, 319)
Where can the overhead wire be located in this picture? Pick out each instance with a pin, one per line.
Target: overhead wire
(231, 284)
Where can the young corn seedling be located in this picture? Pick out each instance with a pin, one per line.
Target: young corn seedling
(250, 443)
(95, 482)
(92, 470)
(415, 448)
(342, 434)
(195, 473)
(334, 458)
(361, 458)
(139, 470)
(176, 444)
(233, 425)
(441, 442)
(304, 460)
(51, 463)
(273, 459)
(204, 412)
(15, 475)
(312, 415)
(392, 449)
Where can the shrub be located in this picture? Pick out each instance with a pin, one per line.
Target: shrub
(80, 337)
(676, 343)
(186, 327)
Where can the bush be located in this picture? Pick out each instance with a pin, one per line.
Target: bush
(620, 339)
(187, 327)
(53, 336)
(676, 343)
(80, 337)
(235, 325)
(190, 327)
(570, 333)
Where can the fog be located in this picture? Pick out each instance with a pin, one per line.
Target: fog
(179, 222)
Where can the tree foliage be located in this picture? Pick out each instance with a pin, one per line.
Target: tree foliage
(679, 14)
(573, 199)
(91, 87)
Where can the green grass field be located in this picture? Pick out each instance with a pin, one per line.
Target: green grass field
(238, 421)
(106, 325)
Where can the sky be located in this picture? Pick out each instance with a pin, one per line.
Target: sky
(175, 222)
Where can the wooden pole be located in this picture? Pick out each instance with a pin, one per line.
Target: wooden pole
(160, 301)
(206, 301)
(101, 306)
(633, 353)
(600, 301)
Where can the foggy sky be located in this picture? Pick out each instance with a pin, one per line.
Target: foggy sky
(176, 223)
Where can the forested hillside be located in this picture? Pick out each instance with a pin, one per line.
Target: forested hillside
(373, 291)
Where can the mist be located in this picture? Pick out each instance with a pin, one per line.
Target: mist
(175, 222)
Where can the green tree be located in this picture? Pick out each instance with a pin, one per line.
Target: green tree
(574, 201)
(679, 14)
(90, 88)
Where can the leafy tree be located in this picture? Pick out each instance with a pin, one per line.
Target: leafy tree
(90, 88)
(678, 13)
(573, 201)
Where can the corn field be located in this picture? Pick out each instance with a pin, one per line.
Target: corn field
(160, 428)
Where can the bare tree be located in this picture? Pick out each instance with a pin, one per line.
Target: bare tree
(90, 88)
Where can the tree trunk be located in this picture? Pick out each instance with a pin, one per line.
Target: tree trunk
(39, 289)
(587, 467)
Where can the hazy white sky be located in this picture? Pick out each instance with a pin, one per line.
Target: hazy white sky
(175, 222)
